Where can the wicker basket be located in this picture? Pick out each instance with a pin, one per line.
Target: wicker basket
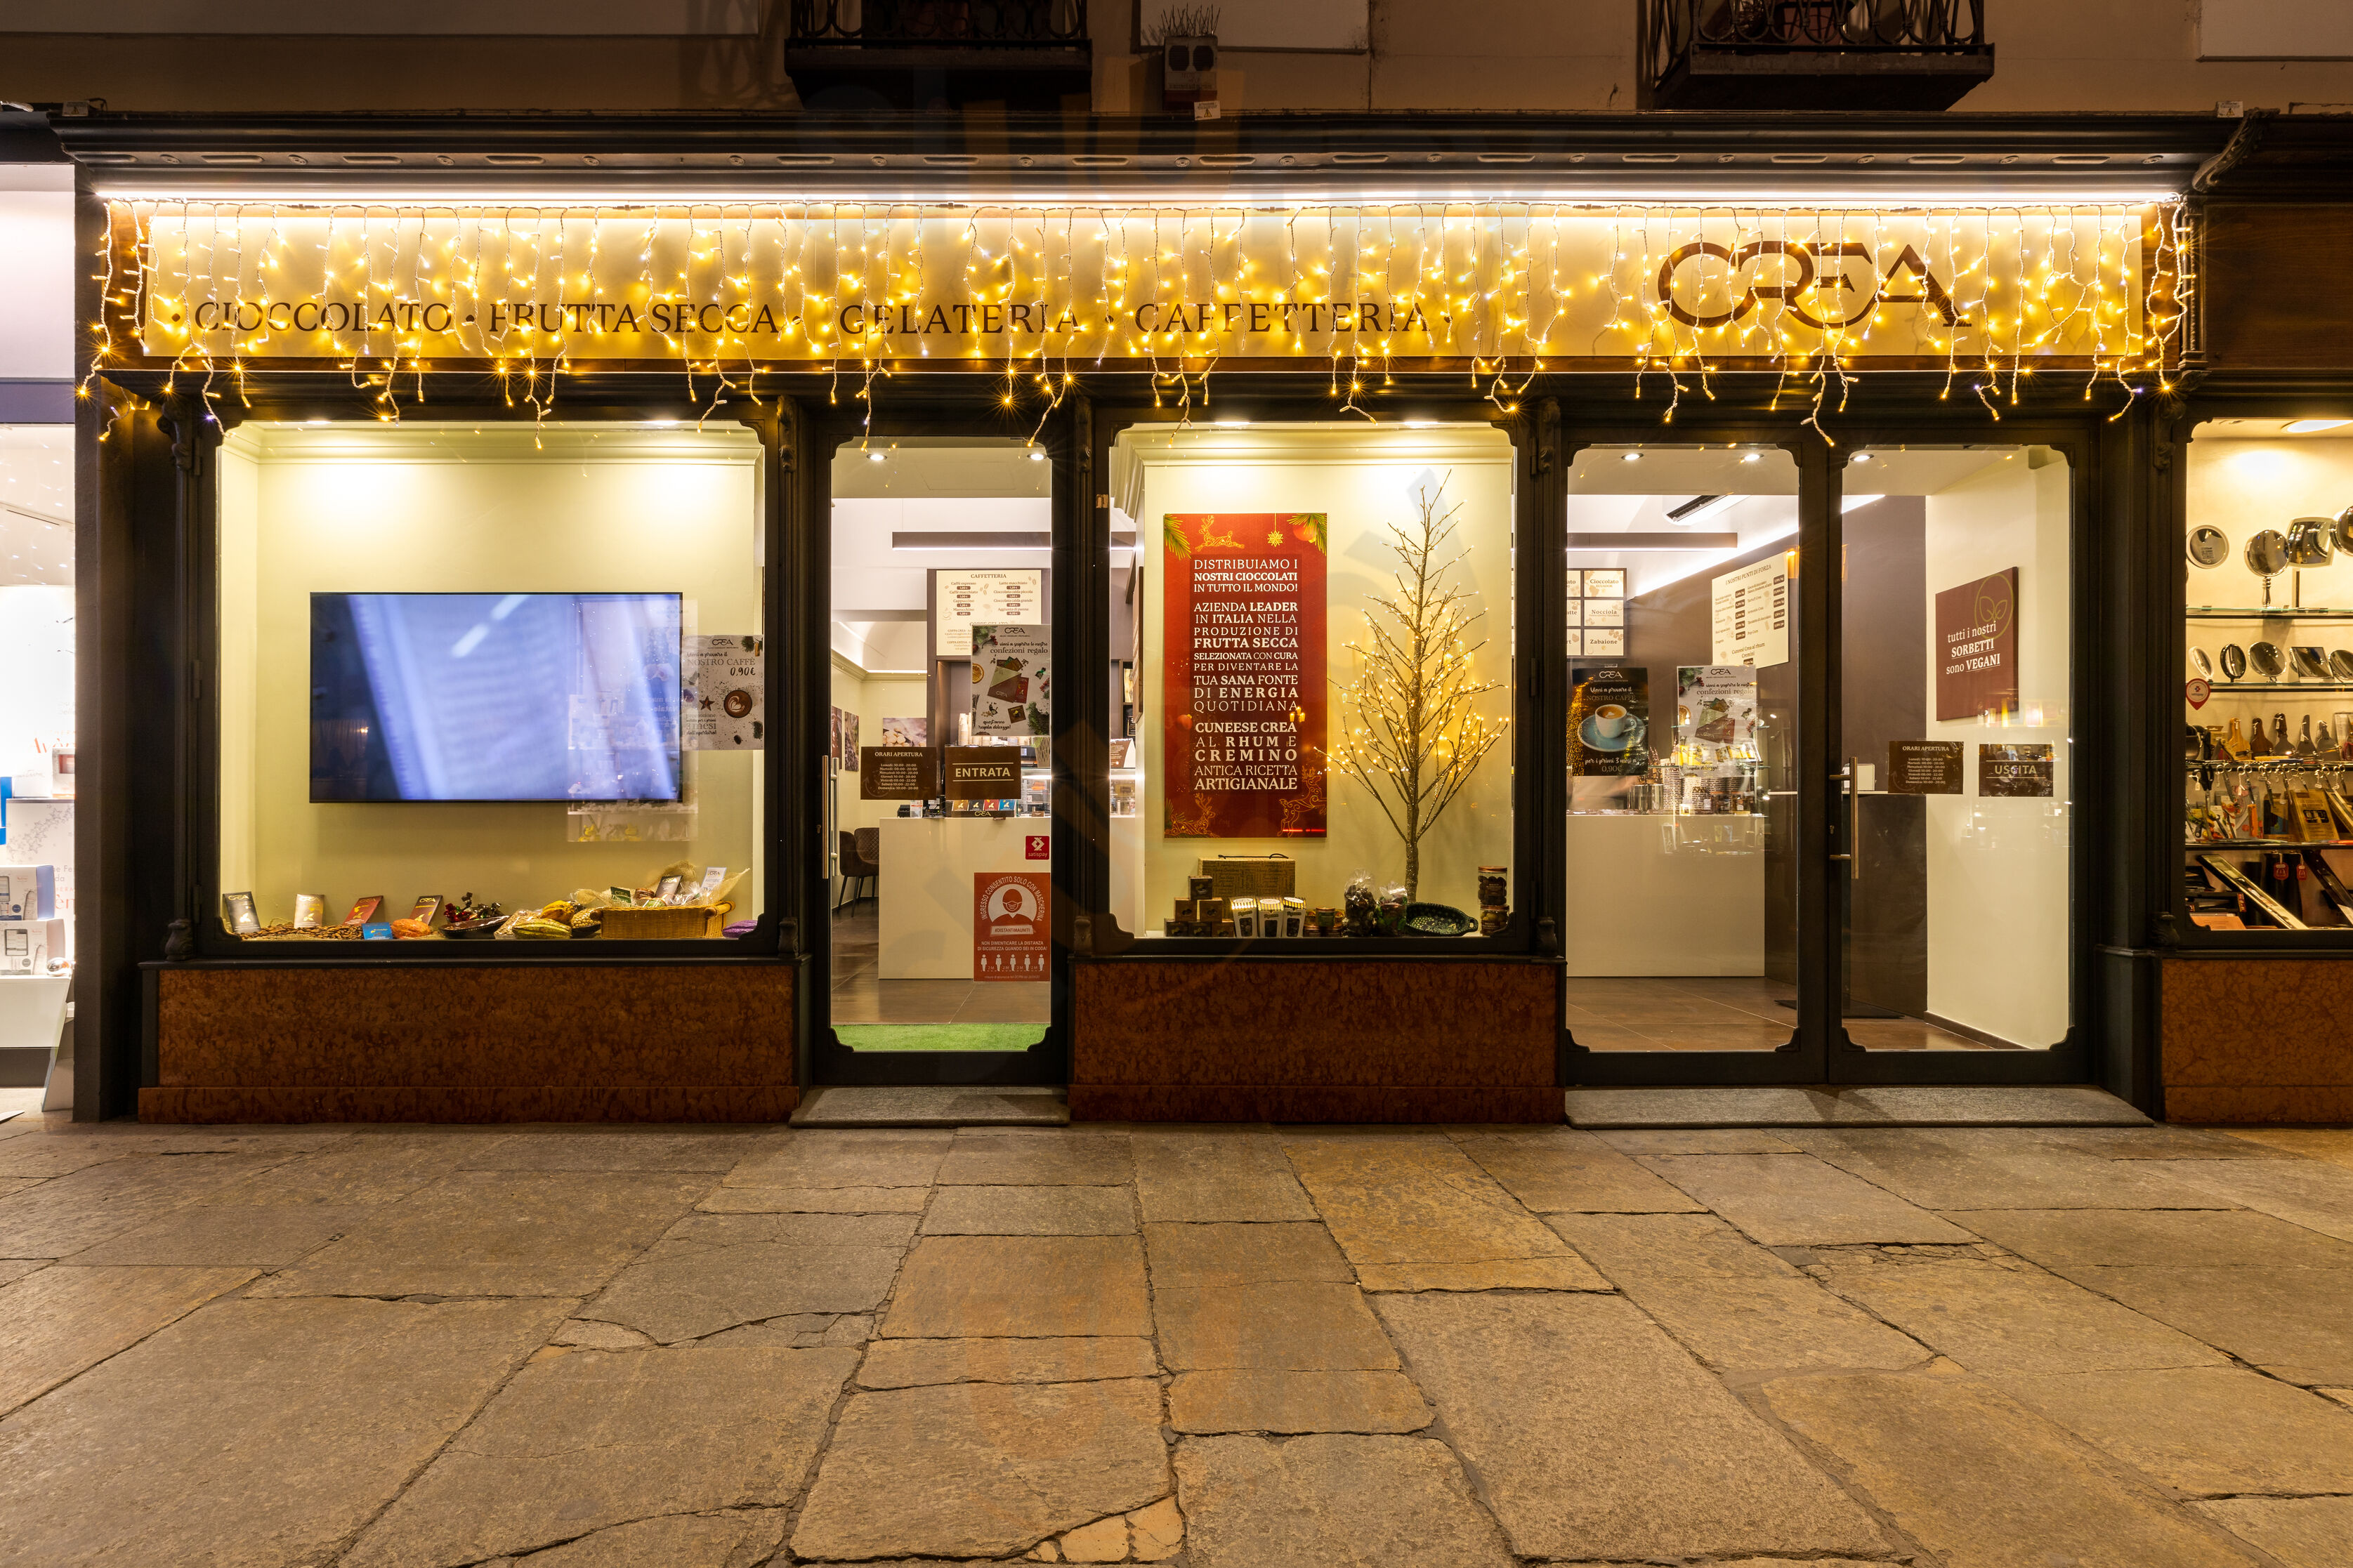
(619, 923)
(1251, 876)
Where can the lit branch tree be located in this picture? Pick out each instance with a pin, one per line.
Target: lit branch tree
(1411, 729)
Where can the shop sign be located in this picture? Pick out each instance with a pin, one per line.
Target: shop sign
(2014, 771)
(898, 772)
(1243, 723)
(1976, 647)
(1924, 767)
(1002, 597)
(1012, 938)
(983, 773)
(739, 284)
(1751, 610)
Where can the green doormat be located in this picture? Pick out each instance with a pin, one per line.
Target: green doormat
(939, 1037)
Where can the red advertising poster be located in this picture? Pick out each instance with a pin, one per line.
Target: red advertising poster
(1010, 933)
(1243, 723)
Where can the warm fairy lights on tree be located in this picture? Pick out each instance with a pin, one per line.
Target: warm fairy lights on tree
(1498, 291)
(1412, 731)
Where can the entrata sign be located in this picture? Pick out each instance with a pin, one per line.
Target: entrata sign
(800, 284)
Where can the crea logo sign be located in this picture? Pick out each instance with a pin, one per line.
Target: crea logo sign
(1791, 270)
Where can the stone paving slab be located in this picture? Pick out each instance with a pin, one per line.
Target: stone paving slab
(1201, 1255)
(2309, 1192)
(1026, 1159)
(2333, 1145)
(1696, 1140)
(578, 1149)
(2294, 1323)
(2211, 1430)
(815, 1200)
(1413, 1198)
(63, 1319)
(251, 1432)
(927, 1105)
(1032, 1211)
(740, 1539)
(1284, 1326)
(1202, 1174)
(1331, 1503)
(798, 1331)
(1742, 1325)
(2008, 1105)
(1253, 1401)
(1564, 1272)
(1794, 1200)
(891, 1158)
(1981, 1482)
(1993, 1315)
(2300, 1532)
(587, 1440)
(379, 1168)
(1593, 1435)
(497, 1233)
(1558, 1169)
(261, 1236)
(1668, 1246)
(1044, 1286)
(917, 1363)
(2160, 1142)
(981, 1468)
(2236, 1238)
(710, 1272)
(64, 1214)
(1995, 1168)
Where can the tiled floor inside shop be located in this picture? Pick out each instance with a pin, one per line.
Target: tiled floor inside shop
(1229, 1347)
(1723, 1013)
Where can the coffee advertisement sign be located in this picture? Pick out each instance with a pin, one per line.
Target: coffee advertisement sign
(1243, 720)
(1609, 718)
(1976, 647)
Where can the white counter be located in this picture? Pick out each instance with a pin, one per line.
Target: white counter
(924, 891)
(1666, 895)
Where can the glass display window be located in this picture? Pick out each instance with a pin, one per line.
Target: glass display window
(36, 725)
(940, 749)
(1315, 637)
(2268, 703)
(490, 682)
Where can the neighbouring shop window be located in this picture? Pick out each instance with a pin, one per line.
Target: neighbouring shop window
(1683, 660)
(2267, 706)
(485, 683)
(36, 726)
(940, 745)
(1314, 634)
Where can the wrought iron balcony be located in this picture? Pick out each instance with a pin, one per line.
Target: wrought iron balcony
(847, 54)
(1812, 54)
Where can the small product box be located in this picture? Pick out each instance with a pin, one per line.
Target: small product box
(1246, 917)
(28, 892)
(1295, 916)
(1201, 887)
(28, 946)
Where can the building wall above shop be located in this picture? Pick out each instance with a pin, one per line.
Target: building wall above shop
(1278, 56)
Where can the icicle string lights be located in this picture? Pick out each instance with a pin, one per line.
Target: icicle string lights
(1986, 295)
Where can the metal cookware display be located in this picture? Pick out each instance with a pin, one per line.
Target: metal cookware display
(2234, 660)
(2311, 663)
(2340, 530)
(2266, 553)
(2270, 663)
(2340, 664)
(2201, 664)
(2308, 541)
(2210, 547)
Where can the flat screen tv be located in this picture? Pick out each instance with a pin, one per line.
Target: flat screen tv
(494, 697)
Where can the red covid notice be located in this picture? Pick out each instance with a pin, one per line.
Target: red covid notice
(1012, 933)
(1244, 704)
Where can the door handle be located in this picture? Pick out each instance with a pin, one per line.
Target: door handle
(1850, 778)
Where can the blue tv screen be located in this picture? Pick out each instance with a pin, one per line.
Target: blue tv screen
(494, 697)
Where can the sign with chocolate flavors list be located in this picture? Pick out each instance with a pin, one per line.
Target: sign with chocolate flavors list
(1243, 723)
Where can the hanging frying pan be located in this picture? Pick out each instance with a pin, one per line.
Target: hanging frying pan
(2308, 541)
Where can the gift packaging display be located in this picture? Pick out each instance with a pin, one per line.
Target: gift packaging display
(1364, 912)
(679, 901)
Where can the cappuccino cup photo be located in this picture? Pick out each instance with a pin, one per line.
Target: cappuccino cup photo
(1609, 720)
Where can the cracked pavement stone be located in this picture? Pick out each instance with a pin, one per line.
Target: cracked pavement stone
(1557, 1169)
(717, 1149)
(590, 1440)
(805, 1331)
(261, 1236)
(1976, 1478)
(252, 1431)
(917, 1363)
(740, 1539)
(1994, 1168)
(1032, 1211)
(815, 1200)
(64, 1319)
(1330, 1501)
(64, 1215)
(1414, 1198)
(1795, 1200)
(982, 1468)
(1594, 1436)
(714, 1271)
(2216, 1430)
(2301, 1533)
(2212, 1238)
(849, 1158)
(1021, 1287)
(1037, 1159)
(1250, 1401)
(1200, 1175)
(496, 1232)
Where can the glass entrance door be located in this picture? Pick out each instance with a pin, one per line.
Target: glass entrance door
(1684, 797)
(1954, 723)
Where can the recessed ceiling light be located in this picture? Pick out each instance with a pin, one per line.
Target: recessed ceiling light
(1036, 456)
(1752, 456)
(1633, 458)
(873, 456)
(1863, 456)
(2312, 426)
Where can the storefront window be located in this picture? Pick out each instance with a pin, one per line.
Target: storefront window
(1955, 668)
(1316, 684)
(1684, 660)
(491, 682)
(940, 745)
(37, 728)
(2268, 704)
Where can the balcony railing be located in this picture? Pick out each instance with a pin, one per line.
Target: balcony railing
(940, 24)
(1813, 54)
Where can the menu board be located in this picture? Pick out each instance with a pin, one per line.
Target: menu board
(1242, 645)
(1007, 596)
(1976, 647)
(1752, 614)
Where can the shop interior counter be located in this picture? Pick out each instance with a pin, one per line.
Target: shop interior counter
(924, 893)
(1666, 894)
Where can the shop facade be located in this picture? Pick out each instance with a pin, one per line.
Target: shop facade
(1322, 620)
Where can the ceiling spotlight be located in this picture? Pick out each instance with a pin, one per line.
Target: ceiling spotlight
(2314, 427)
(1036, 456)
(1633, 458)
(1863, 456)
(873, 456)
